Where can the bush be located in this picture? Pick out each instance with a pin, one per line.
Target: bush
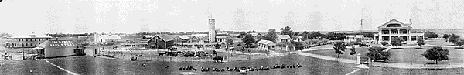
(384, 43)
(436, 53)
(378, 53)
(397, 41)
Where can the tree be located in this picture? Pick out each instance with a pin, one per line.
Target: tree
(453, 38)
(396, 41)
(229, 42)
(353, 50)
(305, 35)
(286, 31)
(430, 35)
(339, 48)
(242, 34)
(420, 42)
(298, 45)
(314, 35)
(378, 53)
(436, 53)
(446, 36)
(335, 36)
(271, 35)
(459, 43)
(248, 40)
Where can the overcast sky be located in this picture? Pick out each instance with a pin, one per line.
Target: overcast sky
(22, 17)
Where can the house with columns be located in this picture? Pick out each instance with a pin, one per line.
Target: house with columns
(395, 28)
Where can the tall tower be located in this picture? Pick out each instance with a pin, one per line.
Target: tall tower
(212, 29)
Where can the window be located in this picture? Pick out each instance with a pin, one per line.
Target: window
(394, 25)
(394, 31)
(19, 39)
(385, 32)
(403, 31)
(385, 38)
(413, 38)
(405, 38)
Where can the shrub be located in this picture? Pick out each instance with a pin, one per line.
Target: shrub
(397, 41)
(436, 53)
(384, 43)
(378, 53)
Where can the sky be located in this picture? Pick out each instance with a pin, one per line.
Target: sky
(21, 17)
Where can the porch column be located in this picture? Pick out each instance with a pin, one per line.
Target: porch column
(398, 30)
(390, 31)
(389, 40)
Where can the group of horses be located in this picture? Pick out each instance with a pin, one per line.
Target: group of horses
(241, 69)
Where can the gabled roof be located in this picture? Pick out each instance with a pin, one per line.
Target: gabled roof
(283, 36)
(167, 37)
(266, 42)
(394, 21)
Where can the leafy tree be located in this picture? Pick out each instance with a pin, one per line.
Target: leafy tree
(396, 41)
(248, 40)
(353, 50)
(242, 34)
(306, 35)
(229, 42)
(430, 35)
(286, 31)
(436, 53)
(314, 35)
(378, 53)
(460, 42)
(445, 36)
(339, 48)
(271, 35)
(298, 45)
(217, 46)
(454, 38)
(335, 36)
(420, 42)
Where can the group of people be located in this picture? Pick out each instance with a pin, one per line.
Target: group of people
(242, 69)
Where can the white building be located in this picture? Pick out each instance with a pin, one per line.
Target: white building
(283, 38)
(393, 29)
(266, 45)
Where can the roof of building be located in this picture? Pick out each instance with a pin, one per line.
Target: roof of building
(17, 37)
(184, 37)
(234, 34)
(198, 35)
(167, 37)
(266, 42)
(221, 37)
(283, 36)
(393, 23)
(110, 37)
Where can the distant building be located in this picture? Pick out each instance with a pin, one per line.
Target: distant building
(59, 47)
(30, 41)
(222, 37)
(297, 38)
(395, 28)
(283, 38)
(266, 45)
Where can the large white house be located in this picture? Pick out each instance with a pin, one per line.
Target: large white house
(395, 28)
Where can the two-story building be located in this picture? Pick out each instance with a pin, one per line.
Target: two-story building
(394, 29)
(30, 41)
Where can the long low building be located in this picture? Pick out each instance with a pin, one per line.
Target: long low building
(30, 41)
